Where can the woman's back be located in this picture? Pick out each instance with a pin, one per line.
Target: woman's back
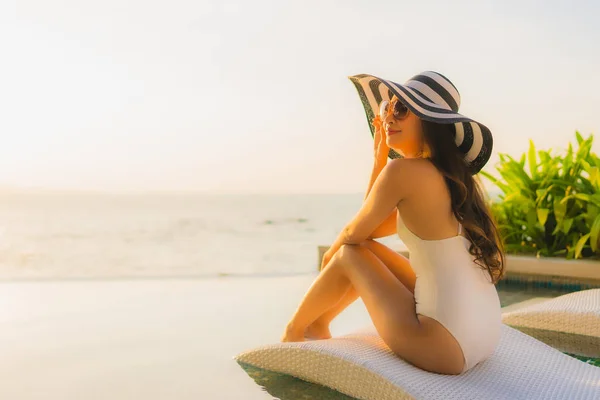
(426, 209)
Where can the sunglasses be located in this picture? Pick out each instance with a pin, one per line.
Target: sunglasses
(400, 111)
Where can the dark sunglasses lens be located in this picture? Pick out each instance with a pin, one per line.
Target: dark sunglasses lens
(400, 110)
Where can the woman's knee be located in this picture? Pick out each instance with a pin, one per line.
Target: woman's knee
(347, 251)
(348, 255)
(340, 257)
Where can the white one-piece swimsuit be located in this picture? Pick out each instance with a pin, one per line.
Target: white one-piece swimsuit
(455, 291)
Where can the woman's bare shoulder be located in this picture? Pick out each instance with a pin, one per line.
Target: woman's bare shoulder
(416, 170)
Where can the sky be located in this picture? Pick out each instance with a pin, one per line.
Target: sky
(254, 96)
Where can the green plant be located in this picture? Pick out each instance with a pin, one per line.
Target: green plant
(550, 206)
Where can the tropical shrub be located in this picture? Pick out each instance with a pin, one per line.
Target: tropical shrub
(550, 204)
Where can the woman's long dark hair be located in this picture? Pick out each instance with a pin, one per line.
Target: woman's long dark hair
(467, 197)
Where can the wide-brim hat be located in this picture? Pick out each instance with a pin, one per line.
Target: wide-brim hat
(432, 97)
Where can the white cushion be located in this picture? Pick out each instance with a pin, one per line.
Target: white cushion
(570, 323)
(362, 366)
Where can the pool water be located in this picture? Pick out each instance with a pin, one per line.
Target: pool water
(511, 294)
(589, 360)
(286, 387)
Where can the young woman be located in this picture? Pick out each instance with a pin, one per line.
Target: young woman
(439, 310)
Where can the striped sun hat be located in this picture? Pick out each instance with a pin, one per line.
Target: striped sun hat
(432, 97)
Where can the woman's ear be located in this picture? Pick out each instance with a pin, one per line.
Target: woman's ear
(425, 150)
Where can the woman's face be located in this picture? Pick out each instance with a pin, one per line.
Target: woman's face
(403, 131)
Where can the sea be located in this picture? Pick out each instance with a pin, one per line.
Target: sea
(98, 235)
(101, 235)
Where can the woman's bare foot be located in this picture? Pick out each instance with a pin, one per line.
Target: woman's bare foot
(292, 334)
(317, 331)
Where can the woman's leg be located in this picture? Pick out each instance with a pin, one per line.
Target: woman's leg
(319, 329)
(398, 265)
(389, 303)
(418, 340)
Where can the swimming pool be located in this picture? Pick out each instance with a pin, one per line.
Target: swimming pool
(516, 292)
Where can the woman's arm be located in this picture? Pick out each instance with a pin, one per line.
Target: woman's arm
(383, 229)
(386, 192)
(377, 168)
(388, 226)
(381, 151)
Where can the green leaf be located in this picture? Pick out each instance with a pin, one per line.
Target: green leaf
(505, 188)
(589, 198)
(593, 171)
(586, 165)
(568, 161)
(513, 197)
(578, 136)
(544, 157)
(580, 244)
(542, 214)
(531, 217)
(560, 209)
(594, 232)
(542, 194)
(592, 212)
(532, 160)
(566, 225)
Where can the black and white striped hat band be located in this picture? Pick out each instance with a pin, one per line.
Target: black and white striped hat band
(432, 97)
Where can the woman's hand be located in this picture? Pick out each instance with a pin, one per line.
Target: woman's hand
(381, 149)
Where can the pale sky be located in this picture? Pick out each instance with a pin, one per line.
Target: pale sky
(253, 96)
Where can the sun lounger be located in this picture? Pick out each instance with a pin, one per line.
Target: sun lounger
(569, 323)
(360, 365)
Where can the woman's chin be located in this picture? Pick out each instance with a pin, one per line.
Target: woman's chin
(393, 143)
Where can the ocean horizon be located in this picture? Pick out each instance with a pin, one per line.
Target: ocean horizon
(79, 235)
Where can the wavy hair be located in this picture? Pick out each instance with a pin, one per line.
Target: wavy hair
(468, 198)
